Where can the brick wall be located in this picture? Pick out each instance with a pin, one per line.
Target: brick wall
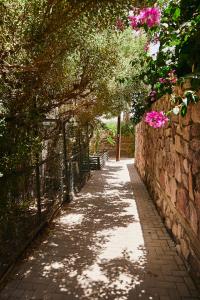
(168, 161)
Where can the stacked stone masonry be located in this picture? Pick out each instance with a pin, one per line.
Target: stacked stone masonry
(127, 146)
(168, 161)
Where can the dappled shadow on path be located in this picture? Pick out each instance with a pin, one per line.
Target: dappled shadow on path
(95, 248)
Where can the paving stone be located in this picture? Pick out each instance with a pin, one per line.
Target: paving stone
(164, 298)
(108, 244)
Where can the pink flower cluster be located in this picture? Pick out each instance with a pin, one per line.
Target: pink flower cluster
(156, 119)
(163, 80)
(170, 79)
(153, 95)
(172, 76)
(149, 16)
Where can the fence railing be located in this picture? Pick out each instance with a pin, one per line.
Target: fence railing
(28, 200)
(30, 197)
(97, 161)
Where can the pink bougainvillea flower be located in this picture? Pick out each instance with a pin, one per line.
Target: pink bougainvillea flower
(162, 80)
(172, 76)
(173, 80)
(156, 119)
(153, 92)
(150, 16)
(134, 22)
(172, 73)
(152, 95)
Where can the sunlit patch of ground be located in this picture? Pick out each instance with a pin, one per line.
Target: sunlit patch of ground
(102, 247)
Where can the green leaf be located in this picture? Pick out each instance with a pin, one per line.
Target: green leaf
(183, 111)
(175, 42)
(110, 140)
(176, 14)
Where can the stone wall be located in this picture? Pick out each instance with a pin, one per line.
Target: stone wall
(127, 146)
(168, 161)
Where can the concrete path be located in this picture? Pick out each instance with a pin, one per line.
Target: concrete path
(109, 243)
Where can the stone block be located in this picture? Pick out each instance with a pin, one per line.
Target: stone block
(164, 206)
(197, 195)
(159, 202)
(190, 184)
(197, 182)
(186, 165)
(168, 132)
(167, 213)
(162, 180)
(185, 181)
(195, 114)
(179, 231)
(181, 146)
(197, 201)
(178, 249)
(178, 146)
(174, 118)
(175, 229)
(167, 185)
(184, 248)
(182, 201)
(195, 130)
(172, 149)
(195, 158)
(195, 145)
(184, 131)
(168, 223)
(171, 167)
(171, 216)
(167, 143)
(193, 217)
(173, 189)
(162, 142)
(178, 174)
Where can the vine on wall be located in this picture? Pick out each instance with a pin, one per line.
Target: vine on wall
(172, 55)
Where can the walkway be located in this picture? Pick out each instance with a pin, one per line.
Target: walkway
(109, 243)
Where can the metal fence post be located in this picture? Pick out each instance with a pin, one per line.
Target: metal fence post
(88, 147)
(66, 187)
(38, 186)
(71, 180)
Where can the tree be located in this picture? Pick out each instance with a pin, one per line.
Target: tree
(121, 69)
(54, 52)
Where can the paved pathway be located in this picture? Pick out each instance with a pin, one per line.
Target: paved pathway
(109, 243)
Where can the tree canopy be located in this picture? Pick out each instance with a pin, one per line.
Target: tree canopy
(57, 51)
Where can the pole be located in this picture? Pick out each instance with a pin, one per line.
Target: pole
(88, 147)
(38, 192)
(118, 146)
(66, 187)
(37, 167)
